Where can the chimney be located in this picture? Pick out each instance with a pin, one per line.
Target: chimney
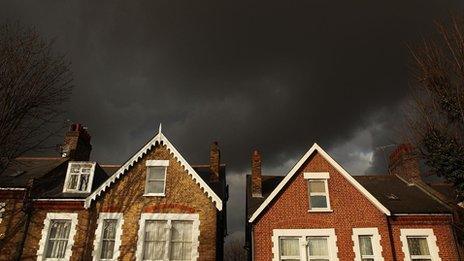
(77, 143)
(214, 161)
(404, 162)
(256, 178)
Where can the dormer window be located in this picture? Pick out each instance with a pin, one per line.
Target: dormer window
(156, 177)
(79, 177)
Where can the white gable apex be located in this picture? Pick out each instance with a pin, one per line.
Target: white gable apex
(158, 139)
(346, 175)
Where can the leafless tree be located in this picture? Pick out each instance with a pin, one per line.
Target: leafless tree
(435, 117)
(34, 84)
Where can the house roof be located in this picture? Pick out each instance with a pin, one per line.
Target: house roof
(159, 139)
(315, 148)
(400, 197)
(395, 194)
(23, 169)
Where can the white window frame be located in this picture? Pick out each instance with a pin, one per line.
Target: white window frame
(431, 241)
(156, 163)
(97, 244)
(302, 234)
(46, 229)
(169, 217)
(318, 176)
(375, 240)
(2, 210)
(68, 173)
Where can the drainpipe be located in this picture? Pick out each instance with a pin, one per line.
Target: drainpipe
(390, 236)
(27, 208)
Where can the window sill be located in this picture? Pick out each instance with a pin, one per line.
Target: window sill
(320, 210)
(154, 195)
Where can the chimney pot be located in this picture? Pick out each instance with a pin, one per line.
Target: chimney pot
(256, 177)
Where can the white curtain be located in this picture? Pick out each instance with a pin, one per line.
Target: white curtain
(155, 240)
(365, 245)
(181, 240)
(108, 238)
(289, 247)
(317, 246)
(58, 238)
(418, 246)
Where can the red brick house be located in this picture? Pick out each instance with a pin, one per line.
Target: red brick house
(156, 206)
(318, 211)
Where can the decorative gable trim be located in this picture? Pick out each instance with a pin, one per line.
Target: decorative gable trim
(159, 139)
(346, 175)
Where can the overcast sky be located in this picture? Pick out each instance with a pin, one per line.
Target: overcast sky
(272, 75)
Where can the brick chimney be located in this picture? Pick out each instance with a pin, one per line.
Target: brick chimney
(256, 178)
(404, 162)
(76, 144)
(214, 161)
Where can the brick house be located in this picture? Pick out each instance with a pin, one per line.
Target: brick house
(156, 206)
(318, 211)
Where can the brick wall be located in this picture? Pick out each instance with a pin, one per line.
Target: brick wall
(351, 209)
(12, 224)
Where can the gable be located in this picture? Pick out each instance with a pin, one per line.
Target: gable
(315, 148)
(159, 139)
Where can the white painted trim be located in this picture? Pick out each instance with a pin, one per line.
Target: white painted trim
(6, 188)
(316, 175)
(376, 246)
(98, 235)
(157, 163)
(158, 139)
(169, 217)
(431, 241)
(302, 234)
(46, 229)
(91, 175)
(59, 199)
(339, 168)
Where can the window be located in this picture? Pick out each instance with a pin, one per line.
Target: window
(419, 244)
(304, 244)
(57, 236)
(418, 248)
(289, 248)
(79, 177)
(156, 177)
(318, 249)
(318, 191)
(2, 210)
(367, 244)
(168, 237)
(108, 236)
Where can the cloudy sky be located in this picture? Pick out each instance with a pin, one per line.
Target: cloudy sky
(272, 75)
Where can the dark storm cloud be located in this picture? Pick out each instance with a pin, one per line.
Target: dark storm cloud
(273, 75)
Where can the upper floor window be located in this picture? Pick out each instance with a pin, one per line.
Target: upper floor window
(318, 191)
(367, 244)
(79, 177)
(57, 236)
(419, 244)
(156, 177)
(168, 237)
